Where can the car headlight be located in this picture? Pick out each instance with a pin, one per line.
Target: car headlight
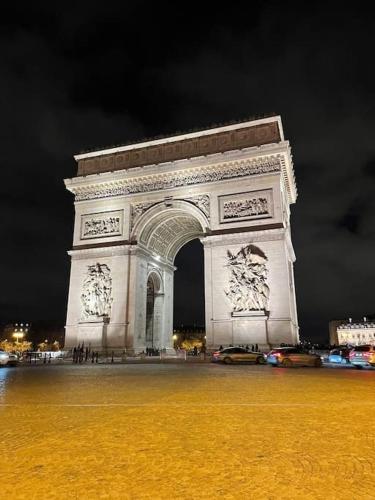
(4, 356)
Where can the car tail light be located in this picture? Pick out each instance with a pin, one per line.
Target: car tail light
(216, 353)
(277, 354)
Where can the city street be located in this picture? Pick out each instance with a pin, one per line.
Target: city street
(186, 431)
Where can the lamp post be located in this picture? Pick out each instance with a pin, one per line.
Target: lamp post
(18, 336)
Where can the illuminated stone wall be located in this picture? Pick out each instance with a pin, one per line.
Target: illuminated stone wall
(132, 222)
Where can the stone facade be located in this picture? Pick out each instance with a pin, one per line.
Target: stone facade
(132, 220)
(355, 333)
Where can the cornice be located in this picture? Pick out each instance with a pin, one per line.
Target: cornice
(119, 250)
(240, 238)
(183, 137)
(100, 252)
(250, 153)
(162, 177)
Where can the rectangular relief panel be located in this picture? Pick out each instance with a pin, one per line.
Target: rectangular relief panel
(240, 207)
(102, 224)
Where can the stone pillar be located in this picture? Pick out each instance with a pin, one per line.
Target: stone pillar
(106, 331)
(230, 317)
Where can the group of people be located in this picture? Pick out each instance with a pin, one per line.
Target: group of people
(82, 354)
(202, 350)
(152, 351)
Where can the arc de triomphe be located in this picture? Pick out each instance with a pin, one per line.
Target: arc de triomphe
(137, 205)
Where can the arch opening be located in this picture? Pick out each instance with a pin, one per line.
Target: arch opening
(189, 296)
(154, 308)
(160, 233)
(163, 230)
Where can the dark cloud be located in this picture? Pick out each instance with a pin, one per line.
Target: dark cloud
(83, 75)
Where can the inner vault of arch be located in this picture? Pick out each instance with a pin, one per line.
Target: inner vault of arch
(169, 230)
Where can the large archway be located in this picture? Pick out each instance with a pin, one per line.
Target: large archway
(165, 228)
(137, 205)
(160, 233)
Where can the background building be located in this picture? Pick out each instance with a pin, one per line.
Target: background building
(351, 332)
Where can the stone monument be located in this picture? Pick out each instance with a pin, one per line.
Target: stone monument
(137, 205)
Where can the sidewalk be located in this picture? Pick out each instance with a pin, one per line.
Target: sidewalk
(120, 360)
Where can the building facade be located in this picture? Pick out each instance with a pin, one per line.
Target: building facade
(355, 333)
(137, 205)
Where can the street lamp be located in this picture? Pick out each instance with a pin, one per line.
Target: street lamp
(18, 335)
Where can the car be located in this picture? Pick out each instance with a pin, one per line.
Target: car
(362, 355)
(339, 355)
(231, 355)
(8, 359)
(292, 356)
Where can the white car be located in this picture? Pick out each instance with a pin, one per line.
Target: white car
(8, 359)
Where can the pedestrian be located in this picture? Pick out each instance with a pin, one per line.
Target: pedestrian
(252, 347)
(203, 351)
(247, 347)
(74, 354)
(92, 356)
(96, 356)
(195, 350)
(256, 347)
(220, 348)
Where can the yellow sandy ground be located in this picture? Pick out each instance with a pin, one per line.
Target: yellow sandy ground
(186, 432)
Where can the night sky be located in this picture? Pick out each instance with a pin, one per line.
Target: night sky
(88, 75)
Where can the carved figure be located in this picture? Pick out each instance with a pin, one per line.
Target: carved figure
(248, 289)
(96, 297)
(245, 208)
(101, 226)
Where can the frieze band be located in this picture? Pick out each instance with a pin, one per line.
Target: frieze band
(178, 179)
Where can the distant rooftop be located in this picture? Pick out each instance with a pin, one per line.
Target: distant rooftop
(362, 323)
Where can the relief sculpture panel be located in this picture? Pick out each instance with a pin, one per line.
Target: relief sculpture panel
(245, 206)
(102, 224)
(96, 296)
(248, 289)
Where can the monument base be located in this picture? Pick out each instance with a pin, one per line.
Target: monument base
(244, 328)
(93, 332)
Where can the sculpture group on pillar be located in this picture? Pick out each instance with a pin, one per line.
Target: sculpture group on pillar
(248, 289)
(96, 297)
